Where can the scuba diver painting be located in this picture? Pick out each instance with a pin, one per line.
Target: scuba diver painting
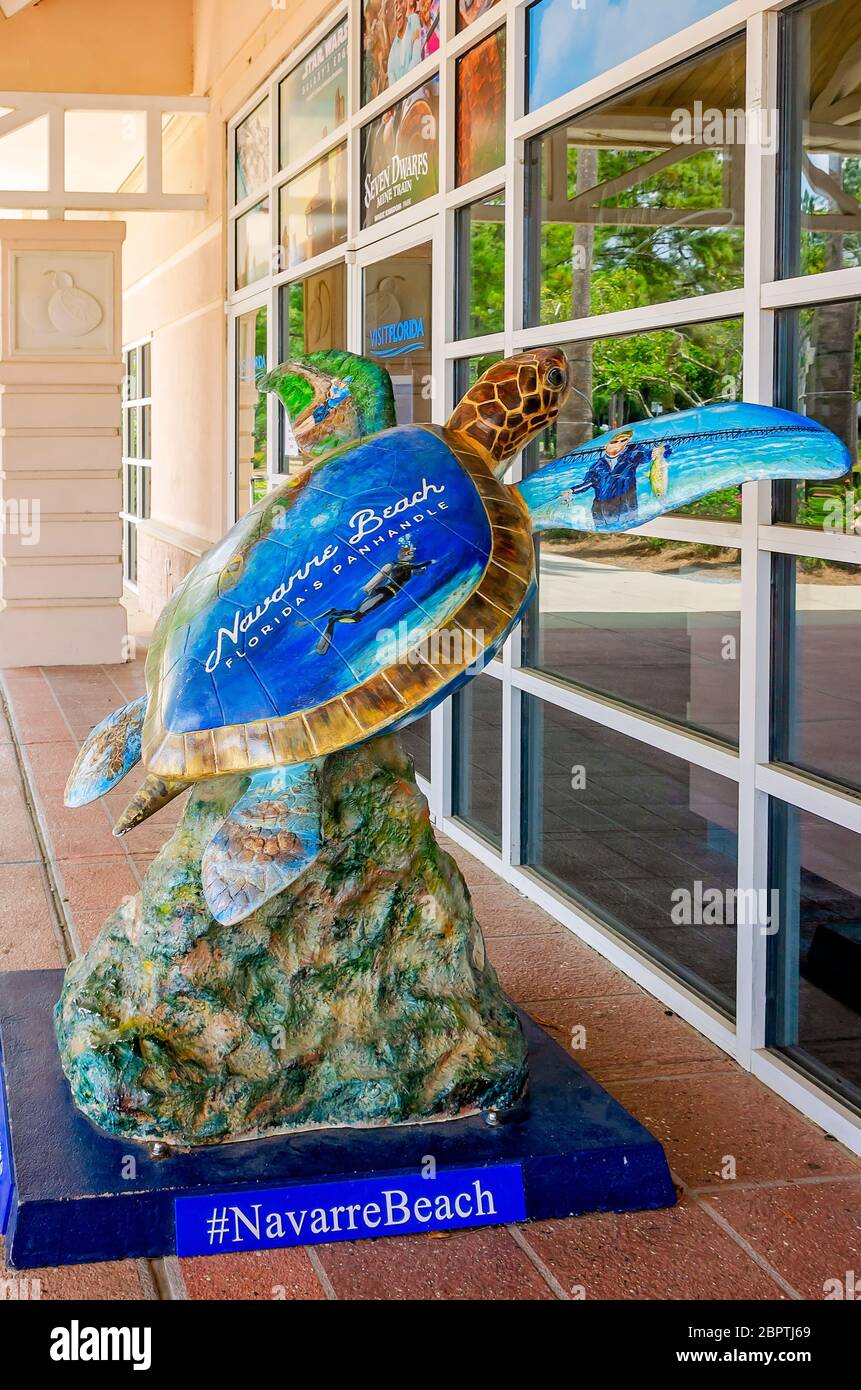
(384, 585)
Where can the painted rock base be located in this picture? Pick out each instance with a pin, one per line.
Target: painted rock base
(360, 995)
(77, 1197)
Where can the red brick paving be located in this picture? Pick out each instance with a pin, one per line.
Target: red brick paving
(788, 1222)
(260, 1274)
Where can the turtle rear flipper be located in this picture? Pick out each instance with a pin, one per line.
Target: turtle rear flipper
(271, 836)
(107, 754)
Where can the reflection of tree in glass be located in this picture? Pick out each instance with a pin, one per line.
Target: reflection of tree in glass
(487, 278)
(825, 345)
(641, 264)
(823, 250)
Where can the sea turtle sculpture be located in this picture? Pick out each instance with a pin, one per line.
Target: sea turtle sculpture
(345, 605)
(318, 621)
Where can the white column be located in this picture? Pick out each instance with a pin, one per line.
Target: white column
(61, 374)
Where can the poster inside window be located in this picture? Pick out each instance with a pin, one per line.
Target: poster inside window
(468, 11)
(313, 209)
(480, 90)
(313, 97)
(396, 36)
(399, 155)
(252, 152)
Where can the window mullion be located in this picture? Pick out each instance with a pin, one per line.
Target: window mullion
(760, 195)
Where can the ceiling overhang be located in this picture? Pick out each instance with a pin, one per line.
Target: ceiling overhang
(10, 7)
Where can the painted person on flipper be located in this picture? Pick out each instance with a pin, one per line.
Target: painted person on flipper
(613, 477)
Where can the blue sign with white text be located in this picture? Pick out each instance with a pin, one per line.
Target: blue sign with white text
(6, 1179)
(228, 1221)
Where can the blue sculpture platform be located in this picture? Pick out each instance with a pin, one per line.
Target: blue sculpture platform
(75, 1194)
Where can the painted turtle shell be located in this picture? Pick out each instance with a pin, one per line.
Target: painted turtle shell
(345, 604)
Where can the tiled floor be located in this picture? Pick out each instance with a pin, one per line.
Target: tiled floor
(787, 1220)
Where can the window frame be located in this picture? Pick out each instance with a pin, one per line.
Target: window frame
(129, 404)
(757, 536)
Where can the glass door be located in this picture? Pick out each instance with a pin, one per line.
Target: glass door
(396, 316)
(397, 296)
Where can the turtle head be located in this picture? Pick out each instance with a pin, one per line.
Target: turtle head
(330, 398)
(513, 401)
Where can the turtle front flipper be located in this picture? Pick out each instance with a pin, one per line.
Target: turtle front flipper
(107, 754)
(633, 475)
(271, 835)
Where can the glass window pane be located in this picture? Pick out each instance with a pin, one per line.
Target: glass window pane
(819, 352)
(468, 11)
(817, 641)
(146, 414)
(617, 381)
(293, 319)
(313, 97)
(133, 418)
(416, 738)
(399, 155)
(313, 209)
(641, 838)
(132, 489)
(477, 756)
(102, 149)
(480, 101)
(145, 475)
(253, 238)
(131, 565)
(313, 319)
(145, 351)
(570, 41)
(396, 36)
(628, 205)
(131, 390)
(652, 622)
(252, 152)
(481, 267)
(821, 138)
(814, 957)
(314, 313)
(250, 406)
(397, 328)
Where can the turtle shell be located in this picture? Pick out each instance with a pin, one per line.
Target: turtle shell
(342, 605)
